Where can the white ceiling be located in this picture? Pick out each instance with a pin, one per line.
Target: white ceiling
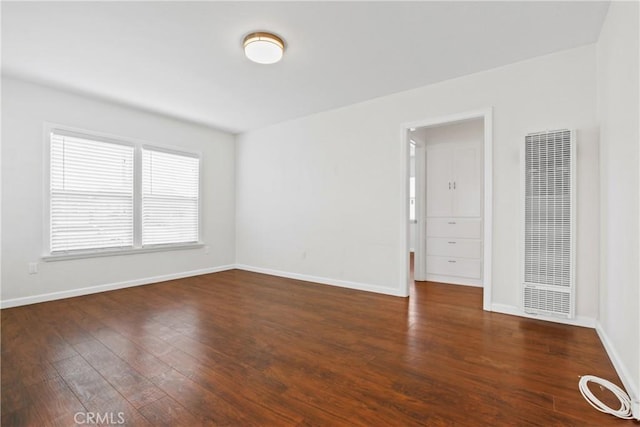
(185, 59)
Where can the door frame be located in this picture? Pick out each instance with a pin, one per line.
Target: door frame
(487, 215)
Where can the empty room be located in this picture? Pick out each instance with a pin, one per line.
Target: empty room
(320, 213)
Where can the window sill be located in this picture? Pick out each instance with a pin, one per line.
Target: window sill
(118, 252)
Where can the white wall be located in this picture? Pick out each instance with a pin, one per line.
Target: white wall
(617, 64)
(319, 196)
(25, 107)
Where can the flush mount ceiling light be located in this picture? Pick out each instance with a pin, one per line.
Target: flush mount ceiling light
(263, 48)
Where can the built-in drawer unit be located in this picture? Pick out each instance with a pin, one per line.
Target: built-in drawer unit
(454, 227)
(452, 247)
(452, 266)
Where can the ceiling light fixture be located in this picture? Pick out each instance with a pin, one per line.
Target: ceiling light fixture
(263, 48)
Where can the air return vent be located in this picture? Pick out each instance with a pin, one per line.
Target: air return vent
(549, 223)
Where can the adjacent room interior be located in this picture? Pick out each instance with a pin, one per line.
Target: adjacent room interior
(320, 213)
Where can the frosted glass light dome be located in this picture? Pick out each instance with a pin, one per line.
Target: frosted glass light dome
(263, 48)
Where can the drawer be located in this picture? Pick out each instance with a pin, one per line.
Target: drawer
(454, 227)
(452, 247)
(452, 266)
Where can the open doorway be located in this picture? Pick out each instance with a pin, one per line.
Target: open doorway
(447, 222)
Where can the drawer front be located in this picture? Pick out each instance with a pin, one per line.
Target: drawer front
(452, 247)
(452, 266)
(454, 227)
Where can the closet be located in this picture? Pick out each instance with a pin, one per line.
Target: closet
(453, 203)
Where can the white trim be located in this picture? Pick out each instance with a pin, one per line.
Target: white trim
(621, 370)
(114, 139)
(585, 322)
(45, 167)
(487, 215)
(15, 302)
(487, 220)
(403, 272)
(116, 252)
(323, 280)
(573, 226)
(137, 201)
(420, 263)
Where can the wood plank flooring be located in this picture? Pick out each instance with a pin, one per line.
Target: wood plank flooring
(244, 349)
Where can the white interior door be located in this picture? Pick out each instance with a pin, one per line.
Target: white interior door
(467, 179)
(439, 180)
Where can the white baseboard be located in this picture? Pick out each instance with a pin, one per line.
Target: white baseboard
(585, 322)
(623, 372)
(323, 280)
(15, 302)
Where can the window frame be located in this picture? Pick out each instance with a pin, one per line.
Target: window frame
(137, 145)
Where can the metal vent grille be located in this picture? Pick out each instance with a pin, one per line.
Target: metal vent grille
(546, 300)
(548, 221)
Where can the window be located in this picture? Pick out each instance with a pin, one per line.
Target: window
(91, 194)
(169, 197)
(113, 196)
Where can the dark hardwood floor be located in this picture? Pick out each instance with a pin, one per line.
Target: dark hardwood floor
(241, 349)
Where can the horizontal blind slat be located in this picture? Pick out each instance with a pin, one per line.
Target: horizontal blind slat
(170, 197)
(91, 194)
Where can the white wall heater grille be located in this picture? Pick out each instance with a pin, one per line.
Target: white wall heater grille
(549, 223)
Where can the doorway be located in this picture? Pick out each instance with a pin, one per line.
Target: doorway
(469, 211)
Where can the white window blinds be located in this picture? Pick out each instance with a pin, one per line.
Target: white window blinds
(170, 197)
(91, 194)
